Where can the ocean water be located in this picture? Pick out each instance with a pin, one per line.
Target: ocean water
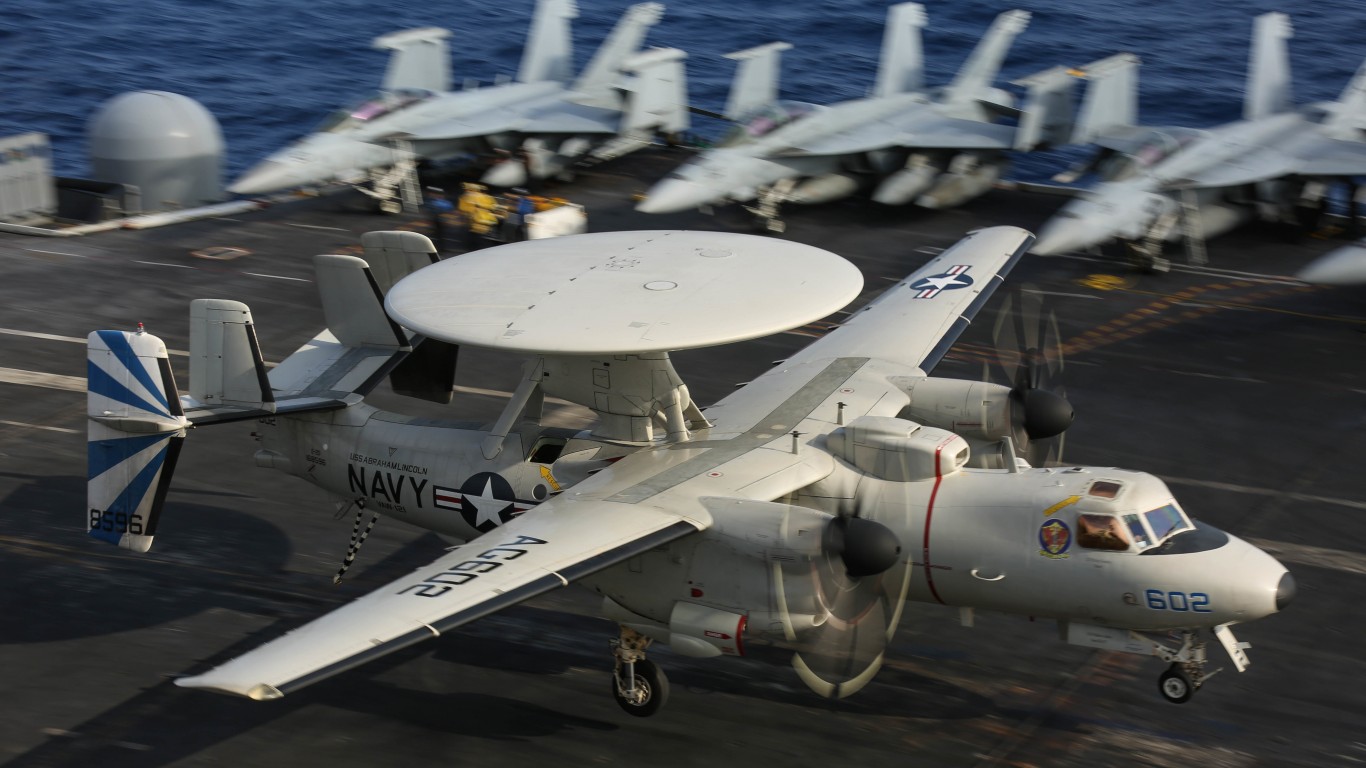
(270, 70)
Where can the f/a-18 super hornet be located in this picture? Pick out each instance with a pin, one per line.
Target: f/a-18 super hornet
(804, 510)
(935, 147)
(546, 118)
(1165, 184)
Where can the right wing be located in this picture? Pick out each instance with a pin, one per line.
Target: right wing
(544, 549)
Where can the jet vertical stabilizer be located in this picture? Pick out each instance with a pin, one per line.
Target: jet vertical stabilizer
(1049, 114)
(658, 100)
(1349, 119)
(549, 52)
(134, 431)
(974, 80)
(902, 68)
(756, 78)
(596, 84)
(1268, 67)
(420, 60)
(1111, 100)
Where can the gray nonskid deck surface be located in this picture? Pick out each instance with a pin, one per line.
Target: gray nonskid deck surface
(1246, 391)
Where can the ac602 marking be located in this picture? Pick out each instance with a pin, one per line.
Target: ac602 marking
(1178, 601)
(466, 571)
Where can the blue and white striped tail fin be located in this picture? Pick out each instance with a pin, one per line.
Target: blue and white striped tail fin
(135, 428)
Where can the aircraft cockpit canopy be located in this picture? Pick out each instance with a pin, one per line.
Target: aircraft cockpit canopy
(1152, 147)
(765, 120)
(1121, 531)
(382, 103)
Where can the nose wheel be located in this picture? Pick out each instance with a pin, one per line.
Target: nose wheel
(1175, 686)
(638, 685)
(1187, 671)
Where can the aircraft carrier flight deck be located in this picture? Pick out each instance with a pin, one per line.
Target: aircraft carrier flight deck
(1244, 389)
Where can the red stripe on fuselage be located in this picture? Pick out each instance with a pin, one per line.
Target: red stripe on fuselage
(929, 513)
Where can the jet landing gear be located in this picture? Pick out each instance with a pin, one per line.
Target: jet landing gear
(638, 685)
(1187, 671)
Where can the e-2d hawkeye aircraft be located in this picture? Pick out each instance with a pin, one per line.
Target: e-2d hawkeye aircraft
(616, 105)
(938, 148)
(1164, 184)
(804, 509)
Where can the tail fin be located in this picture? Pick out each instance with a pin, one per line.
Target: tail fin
(549, 51)
(1268, 67)
(979, 71)
(756, 79)
(1349, 118)
(658, 88)
(1111, 100)
(226, 368)
(902, 68)
(1049, 113)
(597, 82)
(420, 59)
(428, 373)
(135, 428)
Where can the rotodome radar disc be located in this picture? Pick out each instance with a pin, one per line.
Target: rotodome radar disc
(624, 292)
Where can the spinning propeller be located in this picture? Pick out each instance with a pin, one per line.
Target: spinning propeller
(860, 586)
(1029, 351)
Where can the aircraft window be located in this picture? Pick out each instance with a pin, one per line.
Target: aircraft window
(386, 102)
(1104, 489)
(764, 121)
(1138, 531)
(1101, 532)
(1166, 520)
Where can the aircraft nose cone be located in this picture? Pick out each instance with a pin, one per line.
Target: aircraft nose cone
(266, 176)
(674, 195)
(1061, 235)
(1285, 591)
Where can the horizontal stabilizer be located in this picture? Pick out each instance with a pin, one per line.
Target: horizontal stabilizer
(420, 60)
(756, 79)
(135, 428)
(226, 368)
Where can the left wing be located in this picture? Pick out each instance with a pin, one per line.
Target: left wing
(917, 320)
(544, 549)
(1309, 154)
(561, 118)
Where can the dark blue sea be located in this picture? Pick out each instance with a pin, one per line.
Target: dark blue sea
(270, 70)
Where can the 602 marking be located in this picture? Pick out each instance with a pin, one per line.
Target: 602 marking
(1178, 601)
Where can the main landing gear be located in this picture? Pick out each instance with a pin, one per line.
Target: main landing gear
(638, 685)
(1187, 671)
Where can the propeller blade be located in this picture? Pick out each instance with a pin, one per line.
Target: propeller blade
(847, 650)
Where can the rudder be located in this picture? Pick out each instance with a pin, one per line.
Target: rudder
(135, 429)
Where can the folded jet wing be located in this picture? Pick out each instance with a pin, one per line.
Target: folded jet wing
(919, 129)
(1307, 154)
(532, 554)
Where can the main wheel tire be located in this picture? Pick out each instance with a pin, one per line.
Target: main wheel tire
(1175, 686)
(652, 683)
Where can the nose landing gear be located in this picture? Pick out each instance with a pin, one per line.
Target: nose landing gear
(638, 685)
(1187, 671)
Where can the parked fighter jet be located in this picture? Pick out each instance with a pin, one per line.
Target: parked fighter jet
(936, 148)
(803, 509)
(1161, 184)
(549, 119)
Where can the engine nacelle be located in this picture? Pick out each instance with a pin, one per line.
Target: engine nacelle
(898, 450)
(969, 176)
(910, 182)
(974, 409)
(695, 630)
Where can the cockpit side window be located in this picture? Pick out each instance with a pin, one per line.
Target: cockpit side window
(1138, 531)
(1101, 532)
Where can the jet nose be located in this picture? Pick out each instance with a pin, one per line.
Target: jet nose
(1285, 591)
(674, 195)
(266, 176)
(1063, 233)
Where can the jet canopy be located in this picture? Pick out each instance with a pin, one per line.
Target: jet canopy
(1103, 525)
(1149, 148)
(765, 120)
(379, 105)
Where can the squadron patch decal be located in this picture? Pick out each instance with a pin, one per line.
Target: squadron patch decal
(1055, 538)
